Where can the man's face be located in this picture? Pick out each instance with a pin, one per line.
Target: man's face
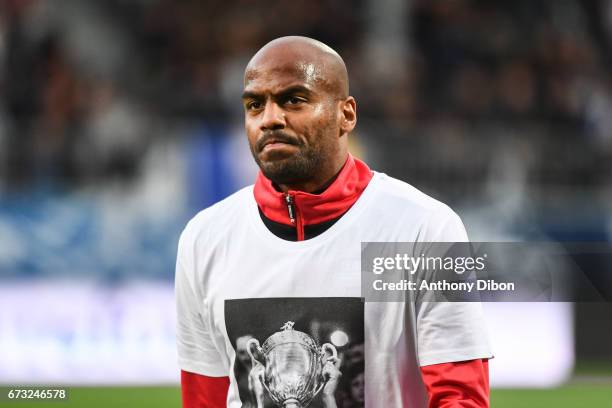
(357, 388)
(291, 119)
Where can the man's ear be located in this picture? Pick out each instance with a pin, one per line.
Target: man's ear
(348, 115)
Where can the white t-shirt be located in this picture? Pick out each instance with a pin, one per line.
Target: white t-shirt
(236, 280)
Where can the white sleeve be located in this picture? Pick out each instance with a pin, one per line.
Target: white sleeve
(196, 349)
(450, 331)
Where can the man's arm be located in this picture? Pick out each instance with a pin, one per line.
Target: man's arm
(462, 384)
(453, 346)
(204, 381)
(331, 374)
(200, 391)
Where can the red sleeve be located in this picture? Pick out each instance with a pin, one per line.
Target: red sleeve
(462, 384)
(200, 391)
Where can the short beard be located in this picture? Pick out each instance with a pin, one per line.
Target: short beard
(302, 166)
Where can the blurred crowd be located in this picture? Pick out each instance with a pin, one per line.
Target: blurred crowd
(88, 86)
(520, 60)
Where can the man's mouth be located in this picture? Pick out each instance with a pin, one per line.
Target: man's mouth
(274, 143)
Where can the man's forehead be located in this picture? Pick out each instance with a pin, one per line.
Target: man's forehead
(298, 59)
(287, 73)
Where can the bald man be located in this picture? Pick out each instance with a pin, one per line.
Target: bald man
(300, 141)
(280, 261)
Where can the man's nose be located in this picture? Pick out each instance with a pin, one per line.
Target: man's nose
(273, 117)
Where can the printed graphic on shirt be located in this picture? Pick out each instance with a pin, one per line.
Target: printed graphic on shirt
(298, 352)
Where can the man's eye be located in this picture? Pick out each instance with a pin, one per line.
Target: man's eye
(294, 100)
(253, 105)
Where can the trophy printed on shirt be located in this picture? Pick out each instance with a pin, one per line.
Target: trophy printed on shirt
(289, 365)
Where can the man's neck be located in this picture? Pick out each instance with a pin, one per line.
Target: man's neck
(312, 188)
(310, 208)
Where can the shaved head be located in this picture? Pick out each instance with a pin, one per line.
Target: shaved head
(298, 112)
(315, 62)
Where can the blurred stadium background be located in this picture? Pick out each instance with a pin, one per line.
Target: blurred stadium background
(120, 119)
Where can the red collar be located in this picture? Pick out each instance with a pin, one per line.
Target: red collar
(307, 208)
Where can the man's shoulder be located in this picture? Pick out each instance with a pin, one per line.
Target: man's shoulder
(221, 215)
(398, 193)
(406, 206)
